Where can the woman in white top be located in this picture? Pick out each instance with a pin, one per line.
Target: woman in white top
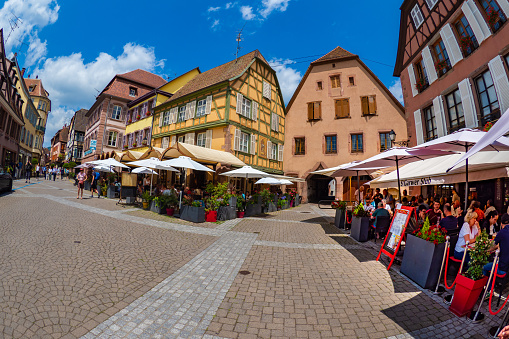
(469, 232)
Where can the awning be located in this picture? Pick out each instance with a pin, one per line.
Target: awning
(292, 179)
(201, 154)
(482, 166)
(127, 156)
(152, 152)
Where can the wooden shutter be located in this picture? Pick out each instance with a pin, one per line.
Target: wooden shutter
(269, 149)
(365, 105)
(240, 97)
(236, 140)
(254, 113)
(164, 142)
(467, 101)
(438, 108)
(208, 105)
(419, 133)
(318, 110)
(267, 90)
(149, 134)
(280, 152)
(110, 109)
(499, 76)
(140, 138)
(189, 138)
(173, 140)
(310, 111)
(451, 44)
(430, 65)
(372, 104)
(105, 138)
(187, 116)
(252, 149)
(161, 118)
(208, 139)
(411, 76)
(120, 138)
(193, 109)
(476, 20)
(342, 108)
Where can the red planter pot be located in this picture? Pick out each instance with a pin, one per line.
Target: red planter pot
(211, 216)
(466, 294)
(240, 214)
(170, 211)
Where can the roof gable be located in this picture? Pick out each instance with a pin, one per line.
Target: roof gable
(143, 77)
(337, 53)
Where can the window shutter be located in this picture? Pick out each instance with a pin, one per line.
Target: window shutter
(365, 105)
(124, 141)
(190, 138)
(135, 116)
(269, 149)
(161, 118)
(280, 152)
(476, 20)
(208, 105)
(208, 139)
(119, 139)
(267, 90)
(254, 113)
(438, 108)
(499, 76)
(105, 138)
(418, 127)
(318, 112)
(164, 142)
(187, 115)
(236, 140)
(140, 138)
(193, 109)
(346, 108)
(149, 134)
(253, 144)
(451, 45)
(372, 104)
(239, 102)
(411, 76)
(504, 5)
(175, 114)
(310, 111)
(467, 102)
(277, 123)
(173, 140)
(125, 114)
(430, 65)
(110, 109)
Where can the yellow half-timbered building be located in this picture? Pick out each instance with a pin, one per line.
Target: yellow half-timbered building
(236, 107)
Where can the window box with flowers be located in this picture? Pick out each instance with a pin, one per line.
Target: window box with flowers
(421, 85)
(493, 19)
(467, 45)
(144, 142)
(135, 144)
(424, 250)
(129, 121)
(442, 67)
(488, 126)
(126, 146)
(138, 117)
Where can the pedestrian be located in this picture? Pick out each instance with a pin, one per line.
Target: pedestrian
(82, 176)
(19, 170)
(93, 187)
(28, 171)
(55, 170)
(61, 173)
(37, 169)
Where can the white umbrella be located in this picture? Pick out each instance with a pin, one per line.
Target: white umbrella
(103, 169)
(461, 141)
(144, 170)
(153, 163)
(110, 162)
(246, 172)
(268, 181)
(85, 165)
(397, 156)
(285, 182)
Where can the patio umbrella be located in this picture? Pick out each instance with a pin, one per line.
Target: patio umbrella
(85, 165)
(144, 170)
(397, 156)
(285, 182)
(461, 141)
(268, 181)
(103, 169)
(152, 163)
(110, 162)
(246, 172)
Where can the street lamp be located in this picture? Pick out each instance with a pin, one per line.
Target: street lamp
(392, 135)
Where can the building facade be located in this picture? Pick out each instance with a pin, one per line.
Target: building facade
(58, 145)
(340, 112)
(77, 127)
(41, 101)
(236, 107)
(140, 112)
(11, 108)
(107, 116)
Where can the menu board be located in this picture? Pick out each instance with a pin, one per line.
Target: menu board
(396, 231)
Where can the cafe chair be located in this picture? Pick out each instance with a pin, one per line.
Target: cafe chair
(382, 226)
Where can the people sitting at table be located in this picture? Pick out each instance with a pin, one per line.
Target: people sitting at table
(490, 223)
(469, 232)
(501, 242)
(476, 207)
(139, 188)
(377, 197)
(489, 207)
(449, 222)
(435, 214)
(379, 212)
(389, 199)
(421, 214)
(387, 206)
(146, 183)
(361, 189)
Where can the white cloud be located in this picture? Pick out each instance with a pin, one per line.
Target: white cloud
(21, 19)
(215, 23)
(229, 5)
(268, 6)
(288, 77)
(36, 51)
(213, 9)
(396, 90)
(74, 84)
(247, 12)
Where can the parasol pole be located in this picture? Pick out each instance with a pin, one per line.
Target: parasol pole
(358, 187)
(466, 180)
(399, 184)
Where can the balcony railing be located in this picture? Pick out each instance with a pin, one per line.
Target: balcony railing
(41, 128)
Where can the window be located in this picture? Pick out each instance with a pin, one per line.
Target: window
(368, 105)
(331, 144)
(431, 3)
(201, 108)
(166, 118)
(342, 108)
(421, 81)
(244, 142)
(351, 81)
(273, 151)
(319, 86)
(274, 126)
(31, 88)
(200, 139)
(335, 81)
(182, 113)
(468, 42)
(181, 138)
(494, 14)
(490, 109)
(417, 16)
(357, 144)
(133, 91)
(385, 141)
(455, 111)
(430, 124)
(115, 114)
(245, 108)
(442, 63)
(41, 105)
(314, 110)
(300, 146)
(112, 139)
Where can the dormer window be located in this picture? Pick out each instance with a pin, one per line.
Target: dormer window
(31, 88)
(133, 91)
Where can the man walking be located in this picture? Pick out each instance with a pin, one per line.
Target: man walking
(55, 170)
(82, 176)
(28, 171)
(37, 169)
(93, 187)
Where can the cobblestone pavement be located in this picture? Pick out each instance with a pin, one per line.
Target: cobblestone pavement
(91, 268)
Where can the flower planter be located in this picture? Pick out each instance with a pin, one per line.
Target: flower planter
(226, 213)
(422, 261)
(193, 214)
(87, 186)
(297, 200)
(253, 209)
(360, 228)
(466, 294)
(232, 202)
(170, 211)
(156, 209)
(111, 193)
(339, 219)
(146, 205)
(240, 214)
(211, 216)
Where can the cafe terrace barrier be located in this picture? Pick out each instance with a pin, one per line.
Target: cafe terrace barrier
(448, 245)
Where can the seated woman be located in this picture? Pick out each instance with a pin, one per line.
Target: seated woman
(490, 223)
(469, 232)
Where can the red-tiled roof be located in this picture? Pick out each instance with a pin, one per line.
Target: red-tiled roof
(38, 89)
(144, 77)
(335, 54)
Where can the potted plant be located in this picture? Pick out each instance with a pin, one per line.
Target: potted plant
(159, 204)
(493, 17)
(424, 250)
(138, 117)
(104, 190)
(466, 44)
(172, 203)
(488, 126)
(129, 121)
(421, 84)
(126, 146)
(144, 142)
(254, 205)
(470, 285)
(241, 206)
(192, 211)
(135, 144)
(441, 67)
(360, 224)
(340, 207)
(266, 199)
(111, 192)
(147, 198)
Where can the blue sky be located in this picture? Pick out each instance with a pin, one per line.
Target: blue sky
(77, 47)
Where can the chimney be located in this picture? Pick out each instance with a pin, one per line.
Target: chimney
(37, 77)
(23, 71)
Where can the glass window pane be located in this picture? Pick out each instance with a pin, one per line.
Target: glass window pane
(487, 79)
(480, 84)
(484, 99)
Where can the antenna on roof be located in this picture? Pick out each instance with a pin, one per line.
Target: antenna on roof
(239, 39)
(13, 22)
